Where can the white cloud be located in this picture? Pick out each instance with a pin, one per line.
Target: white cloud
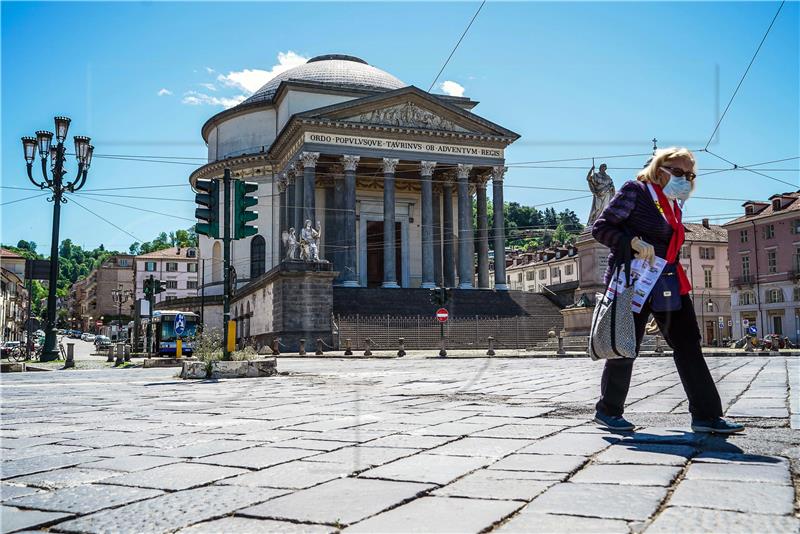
(164, 92)
(194, 98)
(251, 80)
(452, 88)
(210, 70)
(208, 86)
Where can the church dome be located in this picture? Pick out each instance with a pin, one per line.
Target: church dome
(335, 69)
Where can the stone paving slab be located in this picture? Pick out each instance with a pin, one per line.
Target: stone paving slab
(554, 463)
(10, 491)
(248, 525)
(130, 463)
(293, 475)
(339, 502)
(527, 521)
(698, 520)
(650, 454)
(63, 478)
(175, 477)
(169, 512)
(774, 474)
(256, 457)
(610, 501)
(749, 497)
(431, 468)
(39, 464)
(438, 514)
(84, 499)
(496, 484)
(358, 458)
(636, 475)
(14, 519)
(488, 447)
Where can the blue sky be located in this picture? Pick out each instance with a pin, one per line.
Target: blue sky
(574, 79)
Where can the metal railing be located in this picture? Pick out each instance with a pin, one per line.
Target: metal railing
(422, 332)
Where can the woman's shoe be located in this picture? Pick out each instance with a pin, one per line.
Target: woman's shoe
(613, 422)
(716, 426)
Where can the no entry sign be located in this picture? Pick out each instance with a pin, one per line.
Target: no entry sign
(442, 315)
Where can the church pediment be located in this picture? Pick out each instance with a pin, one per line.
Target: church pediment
(409, 107)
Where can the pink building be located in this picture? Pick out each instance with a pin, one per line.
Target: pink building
(176, 266)
(764, 250)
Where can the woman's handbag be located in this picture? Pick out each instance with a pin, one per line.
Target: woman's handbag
(666, 293)
(613, 334)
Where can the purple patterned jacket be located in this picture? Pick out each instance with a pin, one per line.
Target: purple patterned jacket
(631, 208)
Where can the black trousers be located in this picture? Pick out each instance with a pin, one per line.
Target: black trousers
(681, 332)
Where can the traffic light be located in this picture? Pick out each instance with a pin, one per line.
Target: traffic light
(242, 202)
(439, 296)
(148, 287)
(208, 197)
(153, 286)
(159, 286)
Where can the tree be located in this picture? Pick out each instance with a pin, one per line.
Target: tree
(30, 246)
(134, 248)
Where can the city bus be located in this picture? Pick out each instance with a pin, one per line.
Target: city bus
(164, 327)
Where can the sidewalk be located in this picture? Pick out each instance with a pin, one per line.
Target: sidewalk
(397, 445)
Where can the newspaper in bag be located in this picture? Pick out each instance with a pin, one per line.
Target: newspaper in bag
(644, 278)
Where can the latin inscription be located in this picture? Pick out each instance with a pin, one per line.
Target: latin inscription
(411, 146)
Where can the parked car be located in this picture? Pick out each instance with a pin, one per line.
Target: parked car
(75, 334)
(102, 342)
(90, 338)
(8, 346)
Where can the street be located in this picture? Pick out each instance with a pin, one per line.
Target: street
(402, 445)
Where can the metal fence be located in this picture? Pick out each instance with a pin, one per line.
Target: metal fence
(421, 332)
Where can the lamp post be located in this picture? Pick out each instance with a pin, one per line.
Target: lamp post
(56, 183)
(120, 296)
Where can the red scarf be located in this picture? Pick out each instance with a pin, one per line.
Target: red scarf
(678, 236)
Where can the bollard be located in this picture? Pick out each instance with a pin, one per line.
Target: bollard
(490, 352)
(70, 355)
(658, 349)
(748, 346)
(348, 347)
(319, 348)
(402, 350)
(110, 354)
(302, 351)
(560, 351)
(443, 350)
(127, 353)
(120, 354)
(367, 352)
(276, 350)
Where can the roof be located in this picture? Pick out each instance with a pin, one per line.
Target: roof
(768, 211)
(698, 232)
(169, 253)
(341, 70)
(5, 253)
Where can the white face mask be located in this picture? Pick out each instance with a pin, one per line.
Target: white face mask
(678, 188)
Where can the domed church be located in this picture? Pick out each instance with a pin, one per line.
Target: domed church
(387, 172)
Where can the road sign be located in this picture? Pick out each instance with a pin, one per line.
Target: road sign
(98, 323)
(745, 323)
(180, 324)
(442, 315)
(752, 330)
(730, 323)
(721, 326)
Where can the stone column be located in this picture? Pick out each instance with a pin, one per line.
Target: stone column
(335, 236)
(499, 228)
(437, 236)
(309, 160)
(389, 256)
(483, 235)
(426, 174)
(298, 199)
(282, 210)
(348, 277)
(464, 224)
(448, 255)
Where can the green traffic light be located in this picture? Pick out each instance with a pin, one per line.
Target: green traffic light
(208, 198)
(242, 202)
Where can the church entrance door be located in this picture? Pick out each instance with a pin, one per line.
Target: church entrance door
(375, 253)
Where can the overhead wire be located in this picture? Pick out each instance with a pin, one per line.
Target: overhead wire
(456, 46)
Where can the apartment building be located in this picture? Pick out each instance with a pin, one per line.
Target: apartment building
(13, 295)
(177, 266)
(533, 271)
(764, 251)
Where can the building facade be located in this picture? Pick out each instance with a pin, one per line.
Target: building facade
(99, 307)
(764, 251)
(535, 271)
(13, 296)
(704, 257)
(177, 266)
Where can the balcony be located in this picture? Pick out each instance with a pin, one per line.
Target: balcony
(746, 280)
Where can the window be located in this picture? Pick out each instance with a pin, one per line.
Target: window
(172, 267)
(191, 284)
(530, 275)
(258, 250)
(172, 284)
(568, 270)
(796, 226)
(542, 274)
(797, 260)
(747, 298)
(150, 266)
(707, 277)
(191, 253)
(686, 252)
(519, 277)
(774, 296)
(706, 253)
(745, 266)
(769, 231)
(170, 297)
(743, 238)
(555, 272)
(124, 262)
(772, 261)
(796, 294)
(191, 268)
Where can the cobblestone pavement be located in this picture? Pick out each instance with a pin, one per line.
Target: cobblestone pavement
(403, 445)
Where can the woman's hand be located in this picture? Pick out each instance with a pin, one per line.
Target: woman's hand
(644, 250)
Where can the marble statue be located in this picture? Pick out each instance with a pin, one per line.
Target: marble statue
(602, 187)
(309, 242)
(290, 242)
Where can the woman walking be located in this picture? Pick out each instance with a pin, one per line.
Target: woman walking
(645, 215)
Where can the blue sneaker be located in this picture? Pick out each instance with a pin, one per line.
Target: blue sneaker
(716, 426)
(613, 422)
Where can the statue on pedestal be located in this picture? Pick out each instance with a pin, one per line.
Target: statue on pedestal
(309, 242)
(290, 242)
(602, 187)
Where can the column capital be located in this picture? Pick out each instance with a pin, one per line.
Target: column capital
(498, 172)
(350, 162)
(449, 178)
(309, 159)
(389, 164)
(463, 171)
(426, 168)
(480, 183)
(282, 182)
(290, 177)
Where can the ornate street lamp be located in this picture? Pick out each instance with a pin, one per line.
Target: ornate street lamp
(56, 183)
(120, 296)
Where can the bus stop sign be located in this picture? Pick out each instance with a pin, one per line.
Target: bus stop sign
(180, 324)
